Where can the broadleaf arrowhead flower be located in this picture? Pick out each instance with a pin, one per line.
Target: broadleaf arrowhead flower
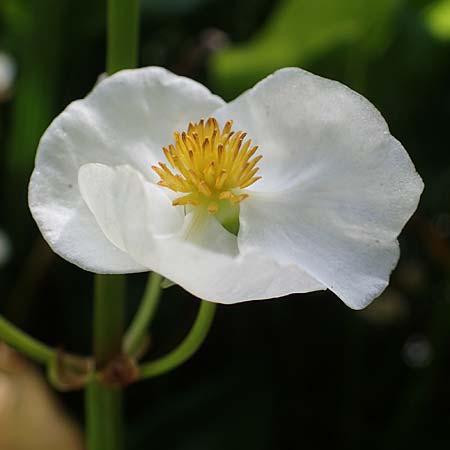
(295, 186)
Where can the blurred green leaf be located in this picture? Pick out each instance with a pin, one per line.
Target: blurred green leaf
(36, 39)
(437, 18)
(299, 31)
(37, 30)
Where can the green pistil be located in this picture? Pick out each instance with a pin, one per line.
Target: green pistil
(228, 216)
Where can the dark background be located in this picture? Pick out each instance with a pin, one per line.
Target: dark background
(299, 372)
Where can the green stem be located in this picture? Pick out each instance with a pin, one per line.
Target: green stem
(104, 418)
(123, 32)
(188, 346)
(109, 311)
(104, 421)
(104, 404)
(26, 344)
(135, 335)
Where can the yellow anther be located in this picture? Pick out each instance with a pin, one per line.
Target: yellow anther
(204, 188)
(213, 165)
(225, 195)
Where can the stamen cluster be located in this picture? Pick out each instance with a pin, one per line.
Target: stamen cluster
(212, 164)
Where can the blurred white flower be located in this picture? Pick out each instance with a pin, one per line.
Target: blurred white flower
(7, 73)
(321, 209)
(5, 248)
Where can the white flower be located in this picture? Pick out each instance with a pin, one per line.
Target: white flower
(335, 187)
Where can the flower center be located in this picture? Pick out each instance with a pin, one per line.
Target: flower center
(211, 166)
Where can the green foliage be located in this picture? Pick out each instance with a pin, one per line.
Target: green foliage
(37, 31)
(437, 17)
(300, 31)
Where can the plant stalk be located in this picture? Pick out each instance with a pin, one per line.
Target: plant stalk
(104, 412)
(104, 421)
(187, 347)
(21, 341)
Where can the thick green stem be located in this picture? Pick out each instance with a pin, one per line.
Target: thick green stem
(188, 346)
(123, 31)
(104, 404)
(26, 344)
(109, 312)
(104, 418)
(135, 335)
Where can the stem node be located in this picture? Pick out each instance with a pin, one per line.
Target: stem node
(120, 372)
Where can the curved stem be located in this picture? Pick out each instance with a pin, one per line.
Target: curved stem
(26, 344)
(188, 346)
(138, 328)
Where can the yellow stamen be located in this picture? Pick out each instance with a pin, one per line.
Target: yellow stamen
(213, 165)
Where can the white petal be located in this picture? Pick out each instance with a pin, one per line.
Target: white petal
(110, 192)
(305, 125)
(336, 187)
(230, 279)
(125, 120)
(197, 253)
(341, 225)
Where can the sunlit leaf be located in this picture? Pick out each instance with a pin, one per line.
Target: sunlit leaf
(300, 31)
(437, 18)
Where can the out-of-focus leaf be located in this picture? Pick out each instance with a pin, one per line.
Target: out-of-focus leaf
(299, 31)
(37, 31)
(437, 18)
(36, 38)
